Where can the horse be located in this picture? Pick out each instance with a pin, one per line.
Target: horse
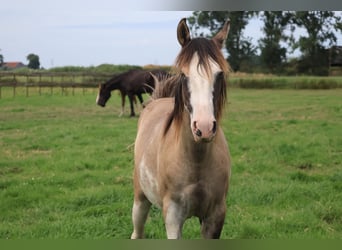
(181, 156)
(131, 83)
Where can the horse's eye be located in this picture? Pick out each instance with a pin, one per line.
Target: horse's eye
(219, 75)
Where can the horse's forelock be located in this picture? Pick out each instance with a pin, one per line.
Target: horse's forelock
(206, 50)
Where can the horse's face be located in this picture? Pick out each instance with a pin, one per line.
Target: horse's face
(205, 80)
(103, 95)
(201, 87)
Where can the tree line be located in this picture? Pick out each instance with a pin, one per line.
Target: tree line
(270, 55)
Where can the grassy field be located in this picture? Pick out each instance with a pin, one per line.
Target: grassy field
(66, 167)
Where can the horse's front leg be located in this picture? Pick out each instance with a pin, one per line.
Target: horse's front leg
(140, 211)
(174, 217)
(123, 99)
(141, 100)
(212, 225)
(131, 98)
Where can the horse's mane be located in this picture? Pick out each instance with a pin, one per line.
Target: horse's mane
(166, 86)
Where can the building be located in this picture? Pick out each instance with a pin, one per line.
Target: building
(336, 56)
(13, 65)
(335, 61)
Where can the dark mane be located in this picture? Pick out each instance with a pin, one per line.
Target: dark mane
(205, 49)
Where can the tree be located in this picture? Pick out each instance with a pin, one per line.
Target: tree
(272, 53)
(239, 48)
(33, 61)
(320, 27)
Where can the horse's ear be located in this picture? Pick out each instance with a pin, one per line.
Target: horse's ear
(183, 33)
(222, 35)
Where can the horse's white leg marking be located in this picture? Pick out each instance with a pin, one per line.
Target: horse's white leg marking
(139, 215)
(97, 98)
(122, 111)
(174, 220)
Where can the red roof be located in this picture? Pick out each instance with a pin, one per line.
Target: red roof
(13, 65)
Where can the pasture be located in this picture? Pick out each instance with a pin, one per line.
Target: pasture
(66, 167)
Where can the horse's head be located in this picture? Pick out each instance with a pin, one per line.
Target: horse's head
(202, 91)
(103, 95)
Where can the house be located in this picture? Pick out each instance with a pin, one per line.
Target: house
(336, 56)
(335, 61)
(13, 65)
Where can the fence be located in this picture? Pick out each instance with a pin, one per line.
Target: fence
(51, 81)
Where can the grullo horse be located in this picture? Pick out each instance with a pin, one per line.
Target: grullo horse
(182, 160)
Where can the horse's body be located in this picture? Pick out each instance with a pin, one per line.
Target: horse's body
(182, 162)
(131, 83)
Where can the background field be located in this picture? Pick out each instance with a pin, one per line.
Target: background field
(66, 166)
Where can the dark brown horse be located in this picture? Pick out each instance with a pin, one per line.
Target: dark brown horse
(131, 83)
(182, 162)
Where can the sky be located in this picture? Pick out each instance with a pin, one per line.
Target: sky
(90, 33)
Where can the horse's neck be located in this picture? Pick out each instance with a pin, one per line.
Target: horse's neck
(115, 84)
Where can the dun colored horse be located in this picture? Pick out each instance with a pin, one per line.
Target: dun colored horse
(130, 83)
(182, 162)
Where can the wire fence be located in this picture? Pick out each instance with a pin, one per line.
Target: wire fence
(39, 81)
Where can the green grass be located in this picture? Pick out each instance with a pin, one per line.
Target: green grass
(66, 167)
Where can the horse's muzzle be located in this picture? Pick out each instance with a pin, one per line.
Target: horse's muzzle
(203, 133)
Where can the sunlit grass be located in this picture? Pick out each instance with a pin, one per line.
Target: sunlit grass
(66, 167)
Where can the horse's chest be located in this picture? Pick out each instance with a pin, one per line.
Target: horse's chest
(197, 198)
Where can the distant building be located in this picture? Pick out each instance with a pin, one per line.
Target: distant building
(336, 56)
(13, 65)
(335, 61)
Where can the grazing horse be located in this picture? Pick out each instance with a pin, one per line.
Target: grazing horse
(182, 160)
(130, 83)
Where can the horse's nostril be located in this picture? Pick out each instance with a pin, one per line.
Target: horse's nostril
(214, 127)
(198, 132)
